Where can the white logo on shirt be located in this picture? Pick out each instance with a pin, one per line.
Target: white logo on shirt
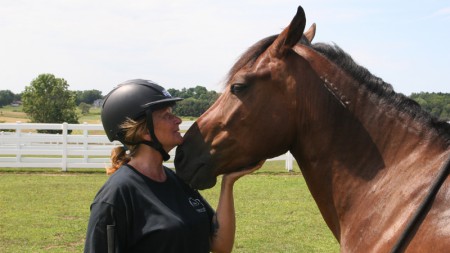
(197, 205)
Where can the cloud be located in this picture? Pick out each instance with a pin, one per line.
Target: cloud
(442, 12)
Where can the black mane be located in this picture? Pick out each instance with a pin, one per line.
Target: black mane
(381, 89)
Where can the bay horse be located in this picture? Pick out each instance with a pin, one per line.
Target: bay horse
(375, 163)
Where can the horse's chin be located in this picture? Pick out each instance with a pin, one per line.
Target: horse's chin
(198, 176)
(202, 180)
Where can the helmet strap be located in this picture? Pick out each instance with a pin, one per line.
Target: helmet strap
(155, 142)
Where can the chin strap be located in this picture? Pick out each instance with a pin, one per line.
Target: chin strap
(155, 142)
(158, 147)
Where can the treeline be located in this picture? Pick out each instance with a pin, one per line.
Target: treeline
(50, 90)
(437, 104)
(196, 100)
(49, 99)
(7, 97)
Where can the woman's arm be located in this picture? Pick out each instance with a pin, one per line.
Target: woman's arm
(224, 221)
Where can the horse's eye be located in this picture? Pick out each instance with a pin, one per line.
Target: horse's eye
(237, 87)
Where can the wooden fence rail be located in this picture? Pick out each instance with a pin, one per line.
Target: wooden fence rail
(21, 146)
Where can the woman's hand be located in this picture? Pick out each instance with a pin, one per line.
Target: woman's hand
(233, 176)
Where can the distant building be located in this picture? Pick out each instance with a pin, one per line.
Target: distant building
(16, 103)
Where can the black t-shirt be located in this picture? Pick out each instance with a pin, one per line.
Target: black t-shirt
(133, 213)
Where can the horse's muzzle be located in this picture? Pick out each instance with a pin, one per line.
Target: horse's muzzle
(193, 170)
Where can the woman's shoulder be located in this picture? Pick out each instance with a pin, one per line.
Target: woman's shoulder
(119, 185)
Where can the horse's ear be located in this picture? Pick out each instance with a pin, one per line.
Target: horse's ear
(290, 35)
(311, 33)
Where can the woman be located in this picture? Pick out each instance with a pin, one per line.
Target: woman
(144, 206)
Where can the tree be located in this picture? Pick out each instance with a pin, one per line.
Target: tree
(196, 100)
(84, 108)
(88, 96)
(6, 97)
(48, 100)
(437, 104)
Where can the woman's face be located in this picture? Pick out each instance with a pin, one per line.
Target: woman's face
(166, 126)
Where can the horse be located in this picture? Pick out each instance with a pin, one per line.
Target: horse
(375, 163)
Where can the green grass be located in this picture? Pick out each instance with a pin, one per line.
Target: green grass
(276, 213)
(12, 114)
(47, 211)
(93, 117)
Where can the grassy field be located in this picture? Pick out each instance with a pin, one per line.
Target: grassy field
(47, 211)
(11, 114)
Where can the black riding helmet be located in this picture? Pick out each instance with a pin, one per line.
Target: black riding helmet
(134, 99)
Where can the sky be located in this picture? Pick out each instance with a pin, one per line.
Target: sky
(97, 44)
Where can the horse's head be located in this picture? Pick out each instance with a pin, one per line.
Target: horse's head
(253, 119)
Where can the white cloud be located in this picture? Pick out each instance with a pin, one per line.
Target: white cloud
(444, 12)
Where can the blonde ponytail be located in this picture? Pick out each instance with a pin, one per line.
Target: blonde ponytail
(119, 157)
(134, 130)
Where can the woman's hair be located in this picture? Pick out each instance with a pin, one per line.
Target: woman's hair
(133, 130)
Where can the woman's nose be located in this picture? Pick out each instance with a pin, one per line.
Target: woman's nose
(178, 120)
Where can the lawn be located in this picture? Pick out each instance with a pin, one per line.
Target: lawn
(47, 211)
(12, 114)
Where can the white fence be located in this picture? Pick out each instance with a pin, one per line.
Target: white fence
(85, 147)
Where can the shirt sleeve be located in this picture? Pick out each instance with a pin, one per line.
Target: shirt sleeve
(106, 231)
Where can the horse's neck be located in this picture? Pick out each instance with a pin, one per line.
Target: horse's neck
(353, 163)
(357, 155)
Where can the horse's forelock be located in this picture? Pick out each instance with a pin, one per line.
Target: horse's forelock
(253, 52)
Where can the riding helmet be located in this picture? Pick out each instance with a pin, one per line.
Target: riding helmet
(133, 99)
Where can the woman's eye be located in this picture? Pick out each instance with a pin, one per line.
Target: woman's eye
(171, 116)
(237, 87)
